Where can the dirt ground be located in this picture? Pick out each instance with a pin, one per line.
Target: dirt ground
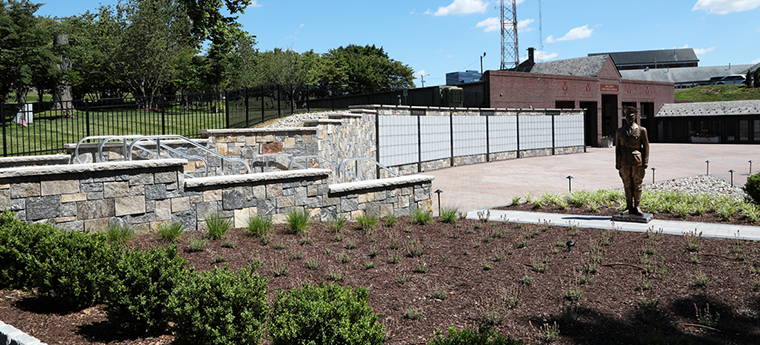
(610, 288)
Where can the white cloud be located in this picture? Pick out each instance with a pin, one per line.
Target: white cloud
(755, 61)
(492, 24)
(573, 34)
(700, 51)
(255, 3)
(725, 6)
(463, 7)
(420, 74)
(543, 56)
(428, 12)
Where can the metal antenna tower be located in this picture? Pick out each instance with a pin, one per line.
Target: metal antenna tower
(509, 48)
(540, 29)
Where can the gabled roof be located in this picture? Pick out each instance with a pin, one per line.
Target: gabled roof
(683, 74)
(582, 67)
(709, 109)
(683, 55)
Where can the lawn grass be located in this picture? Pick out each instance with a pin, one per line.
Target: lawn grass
(718, 93)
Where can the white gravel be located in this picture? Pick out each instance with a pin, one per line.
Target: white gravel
(701, 184)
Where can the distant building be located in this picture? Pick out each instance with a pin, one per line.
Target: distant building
(686, 77)
(732, 122)
(653, 59)
(468, 76)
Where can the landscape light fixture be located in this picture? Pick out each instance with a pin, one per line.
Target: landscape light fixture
(708, 167)
(570, 245)
(732, 176)
(438, 191)
(569, 183)
(750, 168)
(653, 170)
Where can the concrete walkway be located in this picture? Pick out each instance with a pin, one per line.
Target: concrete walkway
(599, 222)
(486, 185)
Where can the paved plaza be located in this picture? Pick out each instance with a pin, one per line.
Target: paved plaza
(481, 186)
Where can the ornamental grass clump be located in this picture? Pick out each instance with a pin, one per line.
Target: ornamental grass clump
(422, 217)
(258, 226)
(170, 231)
(298, 221)
(448, 215)
(119, 233)
(217, 226)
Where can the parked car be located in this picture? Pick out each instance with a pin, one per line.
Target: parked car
(729, 79)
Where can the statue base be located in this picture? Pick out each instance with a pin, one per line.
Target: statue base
(632, 218)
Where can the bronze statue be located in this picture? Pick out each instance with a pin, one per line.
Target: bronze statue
(632, 158)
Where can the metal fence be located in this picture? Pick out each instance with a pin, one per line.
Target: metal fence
(415, 139)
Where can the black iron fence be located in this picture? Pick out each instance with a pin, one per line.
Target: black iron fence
(44, 128)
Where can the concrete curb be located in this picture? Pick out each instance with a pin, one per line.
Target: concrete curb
(10, 335)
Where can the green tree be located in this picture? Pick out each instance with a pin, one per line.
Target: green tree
(757, 78)
(748, 78)
(361, 68)
(24, 49)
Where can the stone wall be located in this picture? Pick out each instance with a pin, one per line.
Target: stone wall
(145, 194)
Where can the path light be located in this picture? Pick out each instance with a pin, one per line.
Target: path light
(438, 191)
(653, 170)
(750, 168)
(569, 183)
(708, 167)
(570, 245)
(732, 176)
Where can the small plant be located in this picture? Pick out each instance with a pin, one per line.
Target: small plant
(448, 215)
(338, 238)
(119, 233)
(413, 314)
(421, 268)
(704, 317)
(219, 258)
(422, 217)
(279, 246)
(312, 264)
(394, 259)
(196, 244)
(701, 279)
(476, 244)
(487, 266)
(350, 245)
(296, 256)
(548, 333)
(539, 267)
(373, 252)
(281, 270)
(305, 241)
(522, 244)
(170, 231)
(414, 249)
(526, 280)
(228, 244)
(336, 276)
(408, 230)
(336, 225)
(498, 257)
(582, 279)
(402, 278)
(574, 294)
(327, 251)
(258, 226)
(693, 240)
(439, 294)
(515, 200)
(298, 221)
(217, 226)
(344, 258)
(369, 265)
(390, 219)
(644, 283)
(483, 215)
(366, 223)
(695, 259)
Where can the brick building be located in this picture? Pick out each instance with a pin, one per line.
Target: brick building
(592, 83)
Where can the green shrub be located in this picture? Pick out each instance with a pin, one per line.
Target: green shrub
(390, 219)
(259, 226)
(74, 268)
(217, 226)
(139, 288)
(752, 187)
(170, 231)
(322, 314)
(422, 217)
(448, 215)
(220, 307)
(18, 249)
(298, 221)
(484, 336)
(366, 223)
(119, 233)
(336, 225)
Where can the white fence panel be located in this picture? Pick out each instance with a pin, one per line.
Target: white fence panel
(469, 135)
(398, 140)
(435, 134)
(568, 131)
(503, 133)
(535, 132)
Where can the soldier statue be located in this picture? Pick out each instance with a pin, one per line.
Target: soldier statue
(632, 159)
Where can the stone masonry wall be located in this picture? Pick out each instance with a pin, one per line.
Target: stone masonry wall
(145, 194)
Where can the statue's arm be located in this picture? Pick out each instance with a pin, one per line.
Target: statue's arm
(618, 147)
(644, 147)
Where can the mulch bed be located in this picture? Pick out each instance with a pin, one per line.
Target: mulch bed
(646, 289)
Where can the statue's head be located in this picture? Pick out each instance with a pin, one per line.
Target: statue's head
(629, 113)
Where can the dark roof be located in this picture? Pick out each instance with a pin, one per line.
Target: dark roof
(709, 109)
(651, 56)
(582, 67)
(683, 75)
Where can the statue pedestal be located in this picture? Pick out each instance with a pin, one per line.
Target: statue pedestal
(625, 217)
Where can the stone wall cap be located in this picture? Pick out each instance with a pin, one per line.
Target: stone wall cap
(256, 177)
(40, 158)
(237, 131)
(90, 167)
(351, 115)
(328, 121)
(379, 183)
(170, 142)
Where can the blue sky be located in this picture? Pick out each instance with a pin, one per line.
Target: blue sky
(439, 36)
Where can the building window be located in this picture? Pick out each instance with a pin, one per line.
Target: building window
(743, 130)
(757, 130)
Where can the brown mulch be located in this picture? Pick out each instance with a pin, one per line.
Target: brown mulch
(480, 267)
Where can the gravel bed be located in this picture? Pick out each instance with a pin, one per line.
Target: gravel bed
(296, 120)
(701, 184)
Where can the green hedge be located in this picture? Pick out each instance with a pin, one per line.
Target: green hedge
(220, 307)
(139, 288)
(752, 187)
(322, 314)
(18, 248)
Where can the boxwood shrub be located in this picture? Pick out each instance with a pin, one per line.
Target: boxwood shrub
(18, 248)
(139, 288)
(220, 307)
(319, 314)
(752, 187)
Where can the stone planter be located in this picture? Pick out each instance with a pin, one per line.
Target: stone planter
(701, 140)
